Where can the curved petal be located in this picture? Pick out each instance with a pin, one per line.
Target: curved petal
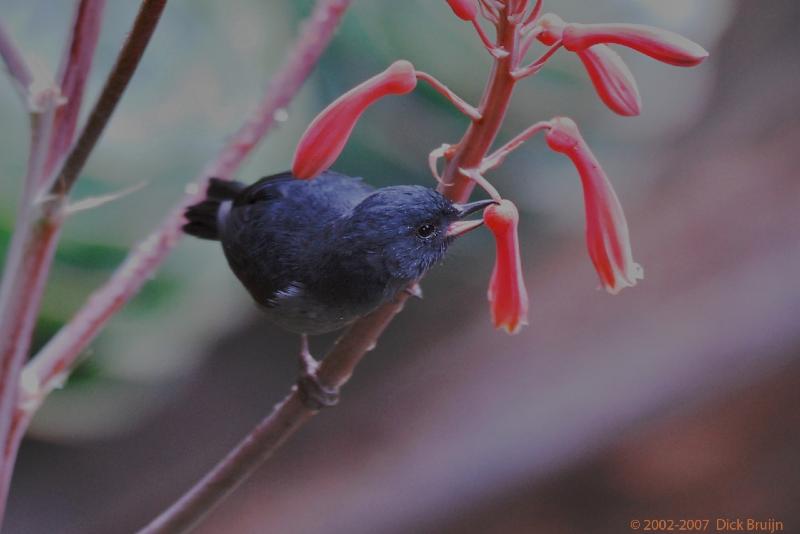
(613, 81)
(663, 45)
(326, 136)
(508, 297)
(606, 228)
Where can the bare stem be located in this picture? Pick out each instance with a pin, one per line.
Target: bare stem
(73, 74)
(493, 49)
(497, 157)
(17, 68)
(456, 100)
(534, 13)
(478, 138)
(537, 65)
(121, 73)
(287, 417)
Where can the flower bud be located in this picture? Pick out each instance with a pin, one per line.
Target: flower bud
(508, 297)
(613, 81)
(464, 9)
(606, 228)
(659, 44)
(325, 137)
(550, 26)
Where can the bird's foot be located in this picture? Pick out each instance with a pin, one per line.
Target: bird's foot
(308, 365)
(314, 395)
(414, 290)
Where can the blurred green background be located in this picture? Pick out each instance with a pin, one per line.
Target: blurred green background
(449, 425)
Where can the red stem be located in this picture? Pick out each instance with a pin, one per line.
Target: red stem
(454, 99)
(73, 74)
(481, 134)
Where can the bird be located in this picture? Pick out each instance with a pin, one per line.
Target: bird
(317, 254)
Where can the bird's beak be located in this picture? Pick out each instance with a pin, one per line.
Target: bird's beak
(461, 227)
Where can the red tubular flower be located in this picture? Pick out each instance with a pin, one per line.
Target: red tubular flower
(508, 298)
(612, 79)
(659, 44)
(327, 134)
(464, 9)
(606, 228)
(610, 76)
(550, 28)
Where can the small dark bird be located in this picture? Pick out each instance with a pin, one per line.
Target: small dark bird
(318, 254)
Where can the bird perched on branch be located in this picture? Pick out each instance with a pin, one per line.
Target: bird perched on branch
(318, 254)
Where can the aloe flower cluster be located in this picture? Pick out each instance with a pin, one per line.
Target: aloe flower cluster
(519, 26)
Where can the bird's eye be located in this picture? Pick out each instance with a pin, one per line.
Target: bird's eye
(426, 231)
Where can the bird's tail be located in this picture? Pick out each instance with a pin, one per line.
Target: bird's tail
(202, 219)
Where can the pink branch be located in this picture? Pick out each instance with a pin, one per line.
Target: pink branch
(33, 243)
(73, 74)
(537, 8)
(47, 368)
(333, 372)
(497, 157)
(478, 138)
(117, 81)
(493, 49)
(536, 66)
(18, 70)
(456, 100)
(489, 11)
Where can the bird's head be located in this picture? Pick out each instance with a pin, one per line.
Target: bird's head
(408, 228)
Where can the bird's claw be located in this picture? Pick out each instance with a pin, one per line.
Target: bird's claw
(414, 290)
(314, 395)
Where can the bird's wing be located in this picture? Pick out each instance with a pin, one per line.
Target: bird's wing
(264, 190)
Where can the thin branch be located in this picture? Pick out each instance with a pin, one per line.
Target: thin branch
(76, 61)
(497, 157)
(493, 49)
(476, 176)
(478, 138)
(48, 368)
(121, 73)
(537, 65)
(274, 430)
(462, 106)
(489, 12)
(537, 8)
(17, 68)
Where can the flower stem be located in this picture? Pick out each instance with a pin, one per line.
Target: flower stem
(454, 99)
(479, 136)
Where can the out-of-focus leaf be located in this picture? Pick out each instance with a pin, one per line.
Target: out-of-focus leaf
(155, 293)
(94, 256)
(87, 372)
